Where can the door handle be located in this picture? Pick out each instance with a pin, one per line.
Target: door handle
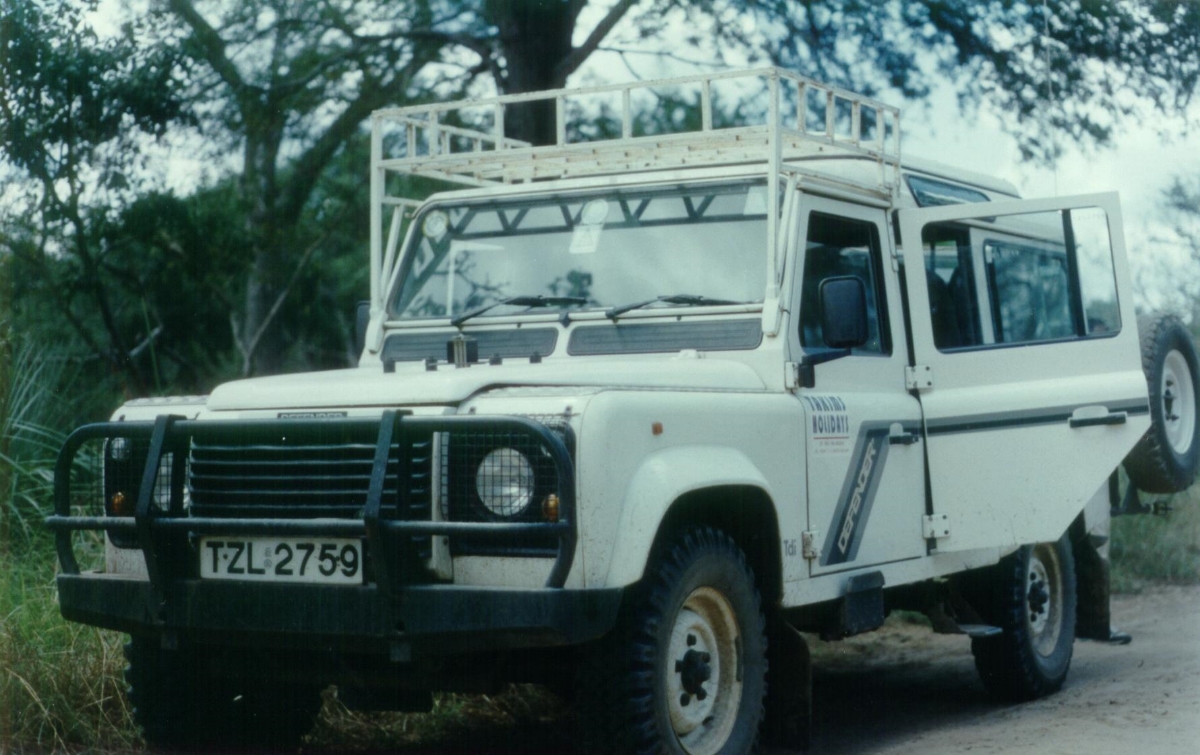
(1112, 418)
(903, 438)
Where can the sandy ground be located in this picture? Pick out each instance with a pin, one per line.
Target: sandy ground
(905, 690)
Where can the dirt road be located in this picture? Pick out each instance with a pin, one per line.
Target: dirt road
(904, 690)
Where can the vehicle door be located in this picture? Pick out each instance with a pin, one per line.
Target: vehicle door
(866, 487)
(1026, 361)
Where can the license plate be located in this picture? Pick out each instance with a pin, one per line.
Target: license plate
(332, 561)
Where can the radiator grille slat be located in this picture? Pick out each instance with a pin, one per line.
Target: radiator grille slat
(307, 476)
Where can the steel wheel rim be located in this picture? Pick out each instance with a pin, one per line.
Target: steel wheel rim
(1044, 599)
(1178, 396)
(704, 689)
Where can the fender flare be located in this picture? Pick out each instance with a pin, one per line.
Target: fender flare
(657, 484)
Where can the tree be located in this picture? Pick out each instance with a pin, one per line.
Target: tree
(72, 110)
(1177, 277)
(287, 83)
(1057, 72)
(281, 87)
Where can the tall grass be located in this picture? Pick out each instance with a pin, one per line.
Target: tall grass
(60, 683)
(1148, 549)
(31, 421)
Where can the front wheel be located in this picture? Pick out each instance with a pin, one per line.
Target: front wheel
(685, 672)
(1032, 599)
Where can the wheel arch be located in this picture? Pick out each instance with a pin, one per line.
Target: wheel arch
(744, 512)
(743, 509)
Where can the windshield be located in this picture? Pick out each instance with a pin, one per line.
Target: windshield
(608, 248)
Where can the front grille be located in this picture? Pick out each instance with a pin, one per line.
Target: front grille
(319, 471)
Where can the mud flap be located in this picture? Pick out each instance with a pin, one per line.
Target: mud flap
(788, 721)
(1093, 619)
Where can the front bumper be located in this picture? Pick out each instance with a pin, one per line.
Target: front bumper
(424, 619)
(395, 610)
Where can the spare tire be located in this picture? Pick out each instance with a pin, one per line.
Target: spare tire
(1165, 460)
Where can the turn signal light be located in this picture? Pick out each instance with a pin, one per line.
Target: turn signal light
(550, 508)
(119, 504)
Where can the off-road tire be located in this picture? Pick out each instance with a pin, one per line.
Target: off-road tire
(1031, 656)
(181, 708)
(1166, 459)
(624, 699)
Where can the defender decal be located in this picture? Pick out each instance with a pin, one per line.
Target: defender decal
(858, 494)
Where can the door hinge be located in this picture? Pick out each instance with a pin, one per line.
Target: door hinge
(808, 545)
(935, 526)
(918, 378)
(791, 376)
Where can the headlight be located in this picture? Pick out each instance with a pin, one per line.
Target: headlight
(504, 482)
(119, 449)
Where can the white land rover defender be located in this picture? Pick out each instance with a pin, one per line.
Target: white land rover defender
(633, 410)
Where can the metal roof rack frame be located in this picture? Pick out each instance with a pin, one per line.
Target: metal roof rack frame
(802, 120)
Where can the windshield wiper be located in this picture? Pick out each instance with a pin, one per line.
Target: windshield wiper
(690, 300)
(519, 301)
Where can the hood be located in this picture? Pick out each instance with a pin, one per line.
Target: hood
(411, 385)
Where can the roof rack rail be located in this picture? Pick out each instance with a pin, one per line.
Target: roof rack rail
(765, 116)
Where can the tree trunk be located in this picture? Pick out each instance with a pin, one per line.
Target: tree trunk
(535, 39)
(261, 337)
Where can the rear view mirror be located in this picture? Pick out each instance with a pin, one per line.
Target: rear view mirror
(844, 312)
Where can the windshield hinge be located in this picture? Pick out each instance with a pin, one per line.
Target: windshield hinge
(918, 378)
(791, 376)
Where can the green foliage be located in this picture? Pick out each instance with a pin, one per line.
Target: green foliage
(69, 94)
(1056, 72)
(75, 108)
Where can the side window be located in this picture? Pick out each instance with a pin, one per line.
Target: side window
(842, 246)
(1029, 287)
(1021, 279)
(950, 278)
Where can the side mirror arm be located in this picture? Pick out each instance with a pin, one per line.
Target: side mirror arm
(808, 363)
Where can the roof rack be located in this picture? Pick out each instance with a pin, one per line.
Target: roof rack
(765, 116)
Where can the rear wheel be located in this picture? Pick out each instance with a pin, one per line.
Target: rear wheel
(1032, 599)
(181, 707)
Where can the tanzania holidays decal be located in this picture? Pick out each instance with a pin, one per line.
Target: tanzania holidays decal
(858, 494)
(828, 425)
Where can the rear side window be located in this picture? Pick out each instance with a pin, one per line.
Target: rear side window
(1021, 279)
